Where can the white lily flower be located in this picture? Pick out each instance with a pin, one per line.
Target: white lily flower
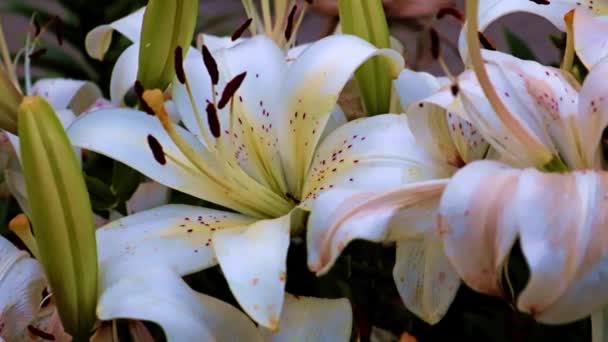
(148, 251)
(556, 216)
(147, 259)
(253, 151)
(590, 40)
(558, 219)
(21, 286)
(548, 113)
(438, 144)
(554, 11)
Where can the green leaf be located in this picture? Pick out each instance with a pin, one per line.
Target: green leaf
(518, 47)
(125, 181)
(101, 195)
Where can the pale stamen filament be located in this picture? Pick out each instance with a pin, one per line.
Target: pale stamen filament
(515, 127)
(266, 201)
(252, 13)
(297, 25)
(230, 194)
(266, 16)
(199, 120)
(280, 11)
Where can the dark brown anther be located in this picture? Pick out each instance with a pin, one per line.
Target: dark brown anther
(139, 92)
(435, 43)
(157, 150)
(213, 120)
(541, 2)
(39, 333)
(485, 42)
(38, 53)
(290, 18)
(239, 31)
(179, 65)
(211, 65)
(230, 89)
(452, 12)
(59, 30)
(455, 89)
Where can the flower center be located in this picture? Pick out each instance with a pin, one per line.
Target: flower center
(242, 192)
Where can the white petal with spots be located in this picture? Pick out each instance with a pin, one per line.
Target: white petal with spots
(373, 153)
(253, 259)
(311, 91)
(175, 236)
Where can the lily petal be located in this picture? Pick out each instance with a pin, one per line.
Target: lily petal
(67, 94)
(313, 319)
(590, 34)
(554, 11)
(21, 286)
(373, 153)
(342, 215)
(425, 279)
(97, 41)
(413, 86)
(468, 220)
(177, 237)
(214, 43)
(253, 259)
(540, 99)
(592, 116)
(162, 297)
(312, 87)
(427, 119)
(567, 285)
(122, 134)
(124, 74)
(488, 204)
(147, 196)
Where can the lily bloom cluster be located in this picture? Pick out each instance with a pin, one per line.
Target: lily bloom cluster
(457, 171)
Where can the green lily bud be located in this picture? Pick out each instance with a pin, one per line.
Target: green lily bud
(166, 25)
(366, 19)
(10, 98)
(62, 218)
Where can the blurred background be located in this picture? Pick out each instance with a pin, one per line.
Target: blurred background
(409, 20)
